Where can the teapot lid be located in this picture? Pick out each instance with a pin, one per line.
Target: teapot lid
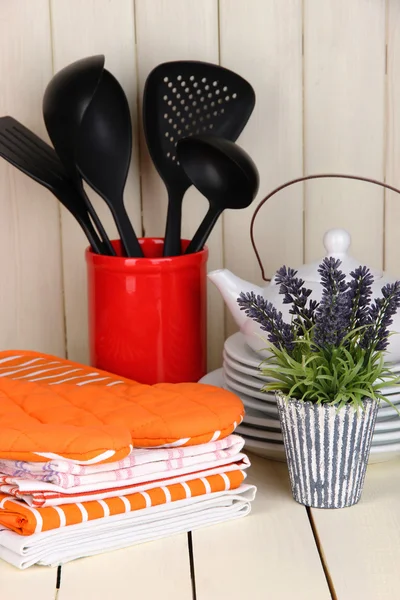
(336, 242)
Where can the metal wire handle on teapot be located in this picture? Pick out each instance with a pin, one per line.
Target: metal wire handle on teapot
(287, 184)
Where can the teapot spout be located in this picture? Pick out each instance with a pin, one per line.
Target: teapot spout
(230, 287)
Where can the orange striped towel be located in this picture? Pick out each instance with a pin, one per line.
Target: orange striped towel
(24, 520)
(52, 408)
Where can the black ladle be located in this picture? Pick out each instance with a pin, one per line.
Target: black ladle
(223, 172)
(66, 99)
(103, 153)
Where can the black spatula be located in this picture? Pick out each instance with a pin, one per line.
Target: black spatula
(34, 157)
(182, 98)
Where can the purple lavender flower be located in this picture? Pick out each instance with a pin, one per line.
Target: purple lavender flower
(310, 311)
(297, 295)
(270, 319)
(332, 315)
(360, 293)
(344, 309)
(380, 317)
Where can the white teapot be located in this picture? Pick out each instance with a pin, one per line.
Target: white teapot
(337, 243)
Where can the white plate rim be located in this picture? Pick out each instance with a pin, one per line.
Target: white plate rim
(243, 377)
(254, 432)
(217, 376)
(263, 396)
(237, 348)
(241, 368)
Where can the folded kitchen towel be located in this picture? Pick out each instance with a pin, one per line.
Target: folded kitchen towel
(32, 486)
(57, 498)
(24, 520)
(111, 533)
(54, 409)
(140, 463)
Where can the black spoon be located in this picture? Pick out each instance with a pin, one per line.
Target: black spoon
(34, 157)
(183, 98)
(223, 172)
(65, 101)
(103, 153)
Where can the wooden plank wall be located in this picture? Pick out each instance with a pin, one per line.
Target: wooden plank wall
(326, 74)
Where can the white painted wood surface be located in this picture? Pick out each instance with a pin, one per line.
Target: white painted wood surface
(269, 554)
(262, 41)
(35, 583)
(344, 86)
(392, 204)
(330, 108)
(361, 544)
(152, 571)
(31, 305)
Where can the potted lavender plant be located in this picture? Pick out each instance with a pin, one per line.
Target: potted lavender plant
(328, 372)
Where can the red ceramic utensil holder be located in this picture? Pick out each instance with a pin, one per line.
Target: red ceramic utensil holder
(148, 316)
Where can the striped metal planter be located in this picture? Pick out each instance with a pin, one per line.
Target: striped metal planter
(327, 450)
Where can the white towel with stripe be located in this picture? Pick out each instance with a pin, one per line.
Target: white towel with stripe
(60, 546)
(141, 461)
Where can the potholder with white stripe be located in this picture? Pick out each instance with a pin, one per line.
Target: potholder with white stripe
(51, 407)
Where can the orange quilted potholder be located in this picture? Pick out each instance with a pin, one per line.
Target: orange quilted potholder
(51, 408)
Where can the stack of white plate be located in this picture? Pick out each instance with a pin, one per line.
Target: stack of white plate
(261, 428)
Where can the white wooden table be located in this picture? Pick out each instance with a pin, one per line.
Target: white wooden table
(281, 551)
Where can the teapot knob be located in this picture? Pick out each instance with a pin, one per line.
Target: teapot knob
(337, 241)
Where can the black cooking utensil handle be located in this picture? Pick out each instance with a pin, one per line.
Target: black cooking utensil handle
(129, 240)
(204, 230)
(172, 237)
(96, 220)
(83, 219)
(91, 234)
